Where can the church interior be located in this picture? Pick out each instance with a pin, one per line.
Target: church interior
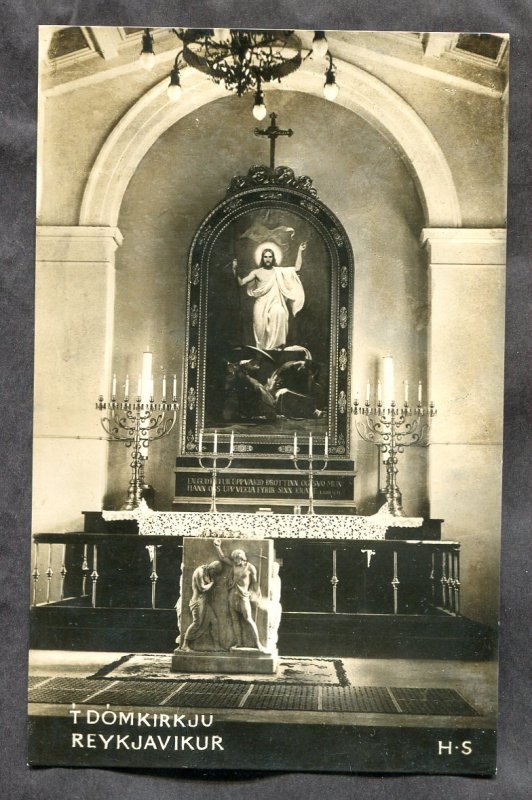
(380, 197)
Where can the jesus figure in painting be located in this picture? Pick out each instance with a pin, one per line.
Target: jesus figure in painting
(278, 292)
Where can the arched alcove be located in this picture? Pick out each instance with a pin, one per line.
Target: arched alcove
(361, 93)
(359, 175)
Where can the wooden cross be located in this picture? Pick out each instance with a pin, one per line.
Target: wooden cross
(272, 132)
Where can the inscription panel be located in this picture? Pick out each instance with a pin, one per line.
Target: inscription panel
(270, 487)
(263, 481)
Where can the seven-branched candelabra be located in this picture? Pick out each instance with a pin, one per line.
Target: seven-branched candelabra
(392, 428)
(137, 423)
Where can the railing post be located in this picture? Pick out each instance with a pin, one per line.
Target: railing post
(432, 577)
(94, 574)
(457, 581)
(334, 580)
(63, 573)
(49, 574)
(35, 574)
(444, 580)
(153, 576)
(84, 570)
(395, 583)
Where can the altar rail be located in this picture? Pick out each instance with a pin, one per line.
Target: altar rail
(117, 570)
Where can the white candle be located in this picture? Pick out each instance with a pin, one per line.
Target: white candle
(379, 392)
(419, 392)
(151, 389)
(126, 388)
(147, 361)
(200, 442)
(139, 387)
(295, 443)
(368, 392)
(327, 444)
(310, 445)
(174, 389)
(113, 389)
(232, 443)
(215, 442)
(388, 380)
(164, 388)
(406, 392)
(357, 393)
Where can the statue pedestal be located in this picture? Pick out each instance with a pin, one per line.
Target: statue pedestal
(229, 604)
(231, 663)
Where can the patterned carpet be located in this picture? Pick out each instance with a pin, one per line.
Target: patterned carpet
(156, 666)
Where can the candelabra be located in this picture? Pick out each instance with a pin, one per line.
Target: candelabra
(312, 468)
(214, 469)
(392, 428)
(137, 424)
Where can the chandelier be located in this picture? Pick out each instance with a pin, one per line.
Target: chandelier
(242, 60)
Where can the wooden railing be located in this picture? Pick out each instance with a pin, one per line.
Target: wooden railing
(114, 570)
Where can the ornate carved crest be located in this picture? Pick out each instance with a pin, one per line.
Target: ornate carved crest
(260, 176)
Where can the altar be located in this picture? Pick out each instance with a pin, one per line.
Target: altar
(243, 524)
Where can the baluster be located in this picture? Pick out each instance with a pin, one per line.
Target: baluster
(432, 577)
(63, 572)
(35, 574)
(334, 581)
(452, 592)
(94, 573)
(443, 581)
(153, 577)
(395, 583)
(84, 570)
(49, 574)
(457, 582)
(448, 582)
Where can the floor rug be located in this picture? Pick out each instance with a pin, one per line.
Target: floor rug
(156, 666)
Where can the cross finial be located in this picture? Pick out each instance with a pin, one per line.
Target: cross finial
(272, 132)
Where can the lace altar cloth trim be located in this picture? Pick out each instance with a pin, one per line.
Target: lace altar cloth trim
(260, 526)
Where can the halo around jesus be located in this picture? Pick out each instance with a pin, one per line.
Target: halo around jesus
(278, 253)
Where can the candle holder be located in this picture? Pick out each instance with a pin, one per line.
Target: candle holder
(137, 424)
(392, 428)
(214, 469)
(310, 470)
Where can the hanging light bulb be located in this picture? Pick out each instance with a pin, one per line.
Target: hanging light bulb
(320, 45)
(174, 90)
(330, 87)
(147, 56)
(259, 109)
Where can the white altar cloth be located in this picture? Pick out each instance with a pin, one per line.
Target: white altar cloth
(236, 525)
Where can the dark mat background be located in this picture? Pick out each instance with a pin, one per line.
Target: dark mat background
(17, 207)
